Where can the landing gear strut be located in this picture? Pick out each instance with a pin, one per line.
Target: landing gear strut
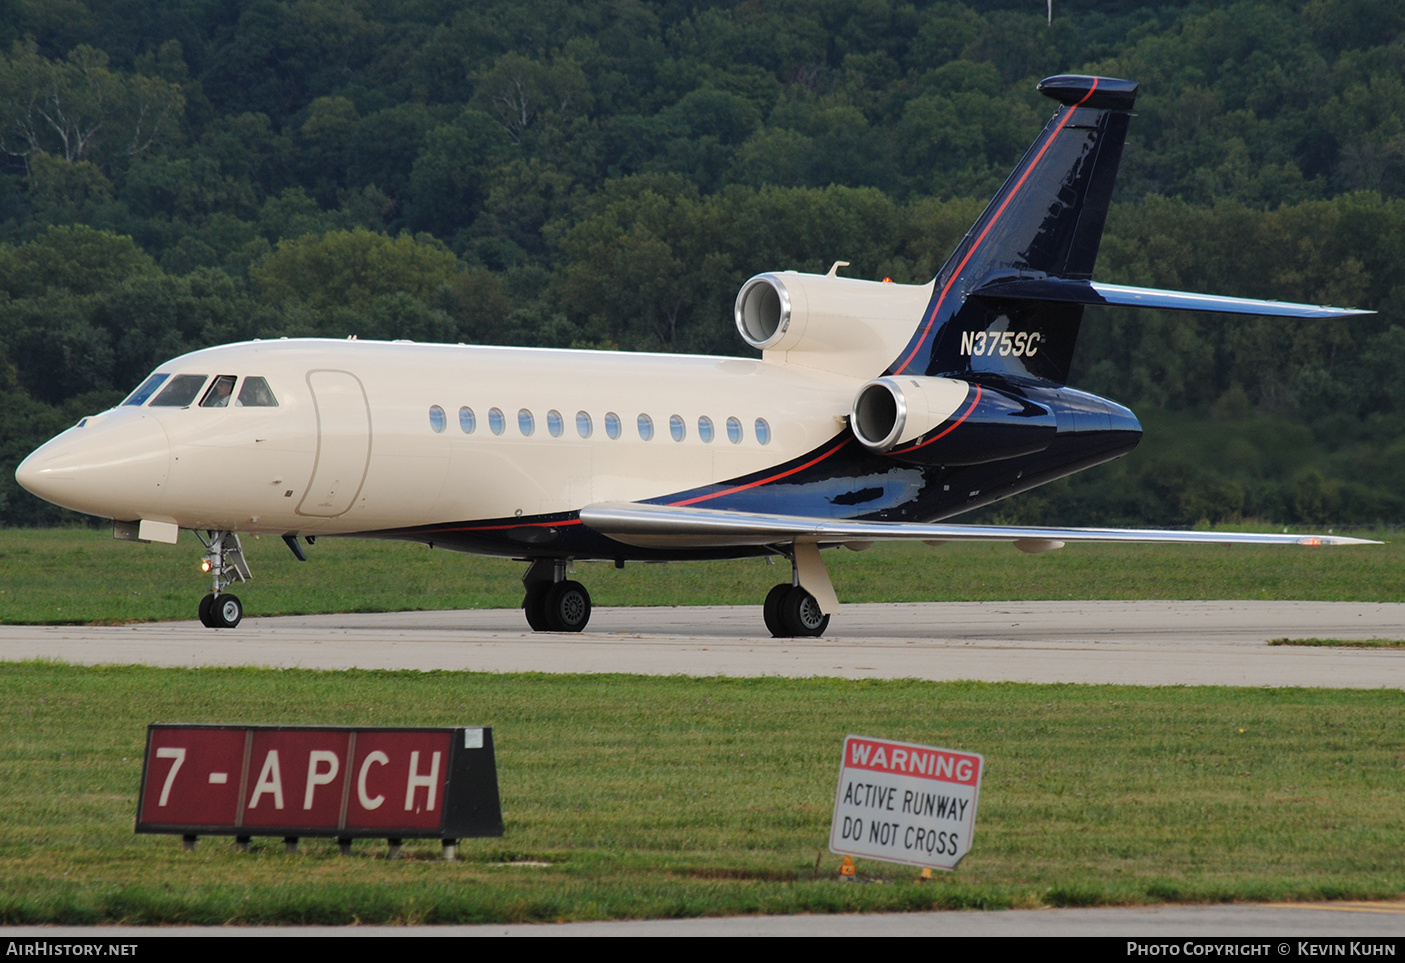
(224, 560)
(790, 610)
(554, 603)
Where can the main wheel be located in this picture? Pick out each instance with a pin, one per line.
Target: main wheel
(567, 607)
(226, 611)
(802, 615)
(207, 604)
(771, 611)
(534, 605)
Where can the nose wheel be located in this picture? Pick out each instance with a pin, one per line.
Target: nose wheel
(221, 611)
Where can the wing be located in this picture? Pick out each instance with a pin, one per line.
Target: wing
(664, 526)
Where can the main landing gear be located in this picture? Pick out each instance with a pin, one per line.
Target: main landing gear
(554, 603)
(224, 560)
(792, 612)
(796, 609)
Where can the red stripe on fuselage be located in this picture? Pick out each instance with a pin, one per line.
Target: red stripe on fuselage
(761, 481)
(498, 528)
(927, 329)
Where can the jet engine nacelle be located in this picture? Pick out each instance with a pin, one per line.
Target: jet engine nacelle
(930, 421)
(844, 325)
(891, 412)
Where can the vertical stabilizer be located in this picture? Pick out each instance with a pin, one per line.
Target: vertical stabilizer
(1045, 222)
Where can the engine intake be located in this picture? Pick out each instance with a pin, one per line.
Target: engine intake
(893, 410)
(763, 311)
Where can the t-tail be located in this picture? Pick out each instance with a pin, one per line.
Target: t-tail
(1009, 301)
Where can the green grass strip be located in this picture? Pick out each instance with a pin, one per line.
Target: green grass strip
(676, 797)
(1344, 643)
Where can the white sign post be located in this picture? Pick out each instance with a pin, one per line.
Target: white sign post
(905, 803)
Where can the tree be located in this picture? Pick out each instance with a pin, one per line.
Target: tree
(350, 269)
(449, 180)
(523, 94)
(75, 260)
(79, 110)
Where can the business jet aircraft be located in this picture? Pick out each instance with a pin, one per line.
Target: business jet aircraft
(876, 411)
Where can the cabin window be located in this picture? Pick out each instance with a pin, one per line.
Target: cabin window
(705, 429)
(734, 431)
(763, 431)
(554, 424)
(437, 421)
(646, 427)
(525, 422)
(496, 422)
(219, 393)
(146, 389)
(612, 425)
(255, 393)
(584, 426)
(467, 420)
(676, 428)
(180, 392)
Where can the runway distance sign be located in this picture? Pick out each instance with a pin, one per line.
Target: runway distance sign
(905, 803)
(319, 781)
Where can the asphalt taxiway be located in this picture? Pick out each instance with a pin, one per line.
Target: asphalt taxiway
(1136, 643)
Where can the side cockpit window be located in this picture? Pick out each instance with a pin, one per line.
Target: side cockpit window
(146, 390)
(180, 392)
(220, 391)
(255, 393)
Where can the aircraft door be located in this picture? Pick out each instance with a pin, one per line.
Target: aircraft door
(343, 443)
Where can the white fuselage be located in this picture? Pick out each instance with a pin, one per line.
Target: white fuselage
(352, 445)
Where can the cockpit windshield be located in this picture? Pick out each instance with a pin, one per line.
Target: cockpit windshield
(180, 392)
(146, 389)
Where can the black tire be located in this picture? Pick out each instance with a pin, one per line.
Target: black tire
(771, 611)
(207, 605)
(567, 607)
(802, 615)
(534, 605)
(226, 611)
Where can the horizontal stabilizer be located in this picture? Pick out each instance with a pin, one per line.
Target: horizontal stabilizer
(666, 526)
(1093, 292)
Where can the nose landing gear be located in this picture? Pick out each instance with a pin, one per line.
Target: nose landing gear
(224, 560)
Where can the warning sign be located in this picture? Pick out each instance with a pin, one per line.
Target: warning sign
(905, 803)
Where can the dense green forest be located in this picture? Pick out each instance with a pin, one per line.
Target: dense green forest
(606, 173)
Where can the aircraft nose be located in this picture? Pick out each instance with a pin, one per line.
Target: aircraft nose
(113, 465)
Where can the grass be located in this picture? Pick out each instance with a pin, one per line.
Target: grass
(1344, 643)
(668, 797)
(57, 576)
(675, 797)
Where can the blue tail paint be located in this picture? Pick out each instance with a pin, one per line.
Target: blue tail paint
(1045, 222)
